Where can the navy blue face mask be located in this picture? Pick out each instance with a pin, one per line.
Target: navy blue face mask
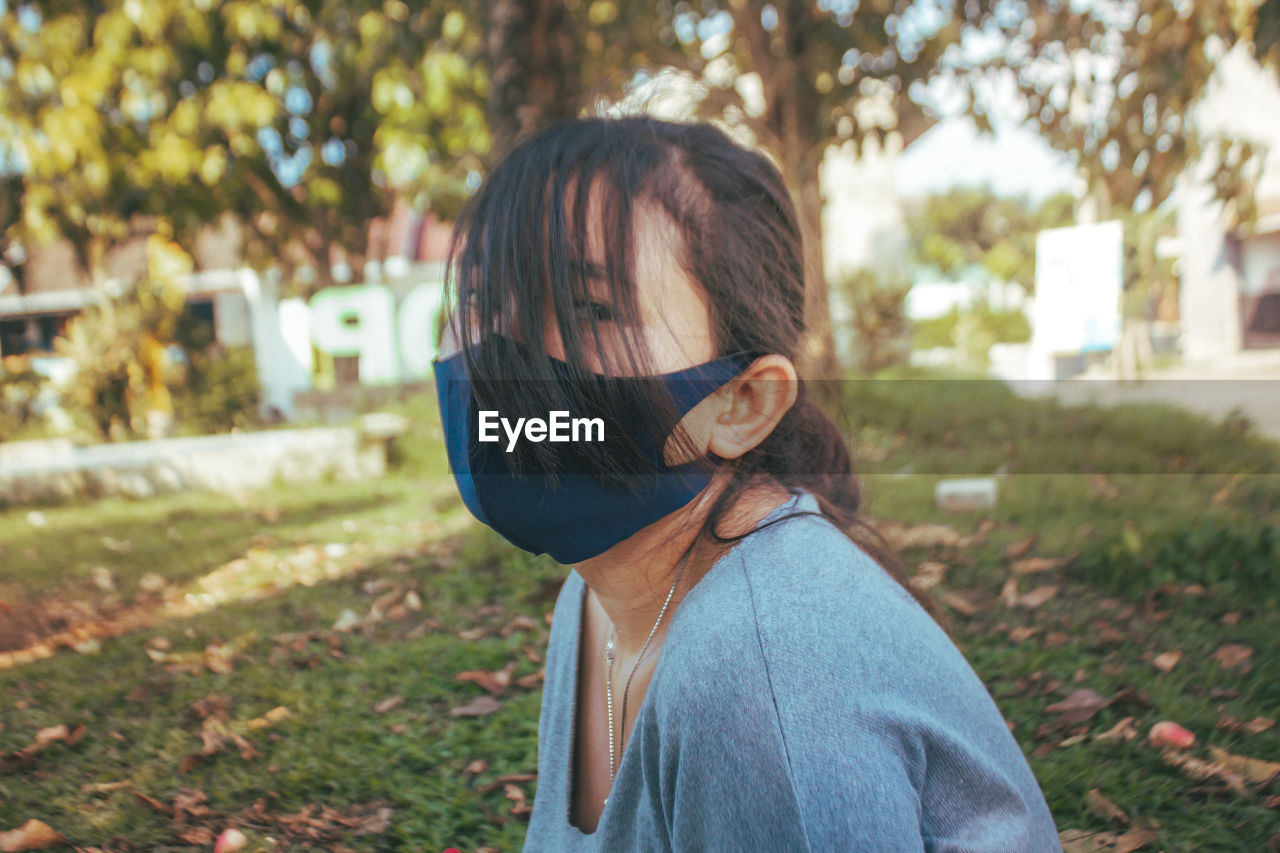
(574, 516)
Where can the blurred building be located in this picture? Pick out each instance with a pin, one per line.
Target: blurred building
(1230, 293)
(41, 291)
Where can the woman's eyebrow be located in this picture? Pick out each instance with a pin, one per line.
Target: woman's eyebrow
(591, 270)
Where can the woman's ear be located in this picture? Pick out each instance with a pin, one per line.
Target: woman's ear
(739, 416)
(752, 405)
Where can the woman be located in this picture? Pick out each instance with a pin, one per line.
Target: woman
(727, 669)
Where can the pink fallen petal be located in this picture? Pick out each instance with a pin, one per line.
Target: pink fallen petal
(230, 841)
(1166, 733)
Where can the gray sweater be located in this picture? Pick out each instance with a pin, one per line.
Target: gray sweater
(802, 701)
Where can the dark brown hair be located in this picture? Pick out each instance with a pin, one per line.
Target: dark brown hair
(520, 245)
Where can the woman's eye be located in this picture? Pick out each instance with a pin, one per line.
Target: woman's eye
(598, 312)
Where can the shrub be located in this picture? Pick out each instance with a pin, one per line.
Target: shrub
(1009, 326)
(879, 319)
(218, 390)
(20, 384)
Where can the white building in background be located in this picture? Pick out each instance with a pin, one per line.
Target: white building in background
(1230, 294)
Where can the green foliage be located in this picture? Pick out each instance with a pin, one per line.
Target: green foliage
(218, 391)
(920, 422)
(307, 114)
(879, 319)
(408, 530)
(967, 227)
(1239, 561)
(19, 386)
(1160, 57)
(1005, 327)
(118, 345)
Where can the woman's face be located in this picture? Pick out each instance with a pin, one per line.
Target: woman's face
(674, 323)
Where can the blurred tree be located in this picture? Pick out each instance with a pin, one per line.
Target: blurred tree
(533, 54)
(879, 319)
(1109, 81)
(802, 75)
(1258, 21)
(299, 117)
(970, 226)
(119, 346)
(1115, 82)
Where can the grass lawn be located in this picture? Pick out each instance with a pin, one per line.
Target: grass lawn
(354, 606)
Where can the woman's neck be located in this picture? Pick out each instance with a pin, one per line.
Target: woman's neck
(632, 580)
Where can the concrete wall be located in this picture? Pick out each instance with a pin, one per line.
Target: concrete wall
(1260, 257)
(1220, 264)
(39, 472)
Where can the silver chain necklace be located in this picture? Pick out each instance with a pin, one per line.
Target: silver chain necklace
(608, 685)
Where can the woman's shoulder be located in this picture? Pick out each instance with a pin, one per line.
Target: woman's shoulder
(804, 569)
(809, 611)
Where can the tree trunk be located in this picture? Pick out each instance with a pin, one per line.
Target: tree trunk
(533, 68)
(791, 123)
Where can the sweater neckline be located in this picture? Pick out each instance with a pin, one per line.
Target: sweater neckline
(798, 501)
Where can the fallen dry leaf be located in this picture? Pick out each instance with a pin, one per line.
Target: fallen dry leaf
(103, 787)
(1014, 550)
(200, 835)
(44, 738)
(1167, 660)
(1123, 730)
(1083, 841)
(1035, 565)
(473, 633)
(516, 794)
(929, 575)
(1203, 770)
(1234, 656)
(902, 536)
(422, 628)
(1104, 808)
(478, 707)
(518, 623)
(247, 750)
(387, 704)
(1255, 726)
(32, 835)
(212, 705)
(163, 808)
(1079, 706)
(528, 682)
(494, 682)
(1009, 591)
(49, 734)
(275, 715)
(1223, 494)
(1254, 770)
(1134, 839)
(1022, 633)
(965, 601)
(475, 767)
(1104, 487)
(1038, 596)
